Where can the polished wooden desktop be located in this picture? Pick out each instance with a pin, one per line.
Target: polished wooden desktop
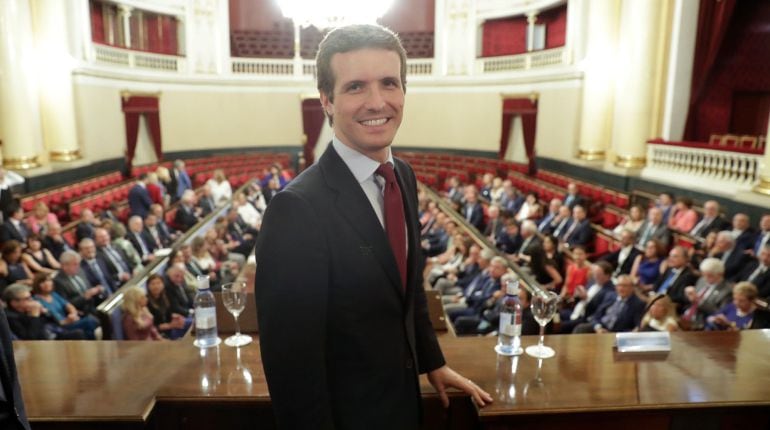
(720, 379)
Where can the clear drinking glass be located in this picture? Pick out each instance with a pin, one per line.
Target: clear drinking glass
(543, 309)
(234, 299)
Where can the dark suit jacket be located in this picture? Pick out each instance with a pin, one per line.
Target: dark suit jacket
(661, 233)
(93, 278)
(67, 289)
(736, 261)
(113, 269)
(762, 282)
(84, 230)
(629, 316)
(716, 224)
(185, 218)
(329, 298)
(572, 201)
(477, 215)
(676, 289)
(607, 293)
(746, 239)
(180, 299)
(624, 268)
(581, 235)
(206, 204)
(9, 232)
(139, 201)
(56, 248)
(12, 413)
(148, 241)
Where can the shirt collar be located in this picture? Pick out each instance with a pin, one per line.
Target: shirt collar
(359, 164)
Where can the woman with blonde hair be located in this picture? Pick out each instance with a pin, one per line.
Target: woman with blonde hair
(138, 323)
(40, 218)
(660, 316)
(221, 191)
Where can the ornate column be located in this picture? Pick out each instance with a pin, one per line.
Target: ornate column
(124, 14)
(763, 187)
(531, 21)
(57, 103)
(638, 82)
(19, 109)
(598, 88)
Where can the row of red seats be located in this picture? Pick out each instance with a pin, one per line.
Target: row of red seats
(593, 191)
(60, 195)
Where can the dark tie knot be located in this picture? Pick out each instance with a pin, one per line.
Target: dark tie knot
(386, 171)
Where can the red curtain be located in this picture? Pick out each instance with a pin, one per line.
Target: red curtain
(168, 36)
(133, 108)
(555, 21)
(97, 23)
(713, 21)
(507, 36)
(527, 109)
(312, 121)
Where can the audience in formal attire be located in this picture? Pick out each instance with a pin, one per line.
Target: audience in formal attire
(579, 232)
(665, 203)
(221, 191)
(95, 269)
(247, 212)
(544, 270)
(472, 211)
(15, 268)
(142, 242)
(654, 228)
(163, 227)
(737, 314)
(38, 259)
(683, 217)
(28, 319)
(168, 320)
(675, 278)
(562, 222)
(180, 181)
(54, 241)
(88, 222)
(577, 275)
(529, 241)
(553, 254)
(139, 200)
(118, 235)
(495, 222)
(509, 241)
(660, 316)
(712, 220)
(530, 209)
(707, 296)
(620, 313)
(137, 319)
(763, 235)
(758, 272)
(155, 189)
(160, 238)
(40, 218)
(727, 251)
(548, 223)
(119, 266)
(61, 313)
(71, 283)
(589, 300)
(632, 221)
(187, 215)
(479, 296)
(623, 258)
(181, 295)
(646, 269)
(742, 232)
(13, 228)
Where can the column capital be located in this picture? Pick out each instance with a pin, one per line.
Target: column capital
(125, 10)
(532, 17)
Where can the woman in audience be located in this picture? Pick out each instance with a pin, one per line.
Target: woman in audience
(647, 266)
(530, 209)
(543, 270)
(170, 324)
(37, 258)
(40, 219)
(684, 216)
(702, 250)
(497, 192)
(738, 314)
(155, 188)
(137, 319)
(552, 252)
(59, 309)
(221, 191)
(633, 221)
(164, 180)
(17, 271)
(27, 318)
(201, 251)
(660, 316)
(276, 176)
(577, 275)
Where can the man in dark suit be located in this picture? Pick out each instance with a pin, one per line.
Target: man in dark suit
(726, 250)
(339, 271)
(472, 211)
(55, 242)
(139, 200)
(579, 233)
(561, 223)
(743, 233)
(622, 313)
(240, 233)
(86, 226)
(187, 214)
(573, 199)
(180, 296)
(163, 227)
(529, 241)
(71, 284)
(654, 228)
(763, 235)
(13, 227)
(13, 415)
(118, 264)
(545, 225)
(676, 277)
(94, 268)
(589, 299)
(180, 181)
(206, 202)
(509, 241)
(143, 243)
(494, 222)
(712, 220)
(623, 259)
(758, 272)
(708, 295)
(151, 229)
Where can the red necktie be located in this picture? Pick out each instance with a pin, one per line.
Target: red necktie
(394, 218)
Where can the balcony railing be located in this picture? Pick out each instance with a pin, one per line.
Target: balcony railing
(113, 56)
(530, 60)
(269, 67)
(703, 166)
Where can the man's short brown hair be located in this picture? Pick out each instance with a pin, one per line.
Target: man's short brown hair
(350, 38)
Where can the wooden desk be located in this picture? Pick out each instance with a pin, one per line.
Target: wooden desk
(707, 377)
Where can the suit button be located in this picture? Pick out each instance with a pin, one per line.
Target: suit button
(409, 363)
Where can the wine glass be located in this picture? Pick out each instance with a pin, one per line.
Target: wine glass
(543, 309)
(234, 298)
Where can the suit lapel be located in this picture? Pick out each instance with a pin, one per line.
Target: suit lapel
(356, 209)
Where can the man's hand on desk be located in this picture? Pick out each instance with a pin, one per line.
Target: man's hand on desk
(444, 377)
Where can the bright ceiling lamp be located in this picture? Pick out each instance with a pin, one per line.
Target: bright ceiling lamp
(333, 13)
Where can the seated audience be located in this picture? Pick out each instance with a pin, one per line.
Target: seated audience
(13, 228)
(187, 215)
(181, 296)
(159, 237)
(660, 316)
(170, 323)
(548, 223)
(665, 203)
(530, 209)
(497, 191)
(62, 313)
(622, 313)
(589, 300)
(758, 272)
(709, 294)
(275, 175)
(449, 261)
(142, 242)
(118, 236)
(734, 258)
(40, 218)
(738, 314)
(247, 212)
(27, 319)
(529, 241)
(95, 269)
(137, 319)
(573, 199)
(763, 235)
(455, 190)
(675, 278)
(647, 266)
(633, 221)
(37, 258)
(119, 265)
(684, 216)
(486, 186)
(577, 275)
(543, 270)
(55, 242)
(71, 284)
(509, 241)
(255, 197)
(654, 228)
(495, 223)
(456, 280)
(712, 220)
(17, 270)
(165, 229)
(742, 233)
(472, 211)
(88, 222)
(221, 191)
(579, 233)
(562, 222)
(553, 254)
(480, 296)
(624, 258)
(242, 236)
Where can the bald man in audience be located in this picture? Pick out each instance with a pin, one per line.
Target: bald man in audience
(712, 220)
(71, 283)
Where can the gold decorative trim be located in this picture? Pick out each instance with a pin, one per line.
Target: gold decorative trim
(65, 155)
(532, 96)
(630, 162)
(763, 187)
(22, 163)
(592, 154)
(125, 94)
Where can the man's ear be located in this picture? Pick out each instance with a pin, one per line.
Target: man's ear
(327, 104)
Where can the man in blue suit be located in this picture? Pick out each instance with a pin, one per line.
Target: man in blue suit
(180, 181)
(139, 200)
(622, 313)
(472, 211)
